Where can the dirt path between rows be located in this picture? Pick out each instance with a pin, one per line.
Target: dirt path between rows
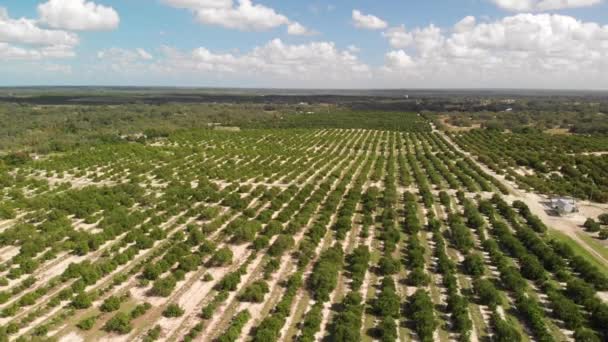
(568, 225)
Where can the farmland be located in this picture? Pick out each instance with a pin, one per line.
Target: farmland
(358, 226)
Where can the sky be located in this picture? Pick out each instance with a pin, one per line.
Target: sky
(542, 44)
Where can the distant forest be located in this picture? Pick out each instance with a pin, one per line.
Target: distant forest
(51, 121)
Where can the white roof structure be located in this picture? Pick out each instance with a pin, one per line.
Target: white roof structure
(564, 205)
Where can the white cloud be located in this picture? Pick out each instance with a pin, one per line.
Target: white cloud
(124, 56)
(244, 15)
(57, 68)
(124, 62)
(524, 50)
(78, 15)
(368, 21)
(12, 52)
(298, 29)
(398, 37)
(354, 48)
(143, 54)
(23, 39)
(466, 24)
(398, 60)
(25, 31)
(193, 4)
(273, 64)
(543, 5)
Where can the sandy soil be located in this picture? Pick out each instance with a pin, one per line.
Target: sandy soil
(72, 337)
(452, 128)
(190, 299)
(8, 252)
(568, 225)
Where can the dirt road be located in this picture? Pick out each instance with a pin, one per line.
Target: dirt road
(568, 225)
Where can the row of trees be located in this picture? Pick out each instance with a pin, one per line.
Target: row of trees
(560, 164)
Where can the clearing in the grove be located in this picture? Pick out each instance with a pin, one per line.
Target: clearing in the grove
(311, 230)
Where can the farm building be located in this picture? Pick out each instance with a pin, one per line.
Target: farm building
(564, 205)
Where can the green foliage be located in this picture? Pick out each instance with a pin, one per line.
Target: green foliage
(163, 286)
(153, 334)
(422, 313)
(236, 325)
(110, 304)
(388, 266)
(255, 292)
(324, 277)
(87, 323)
(560, 163)
(119, 323)
(221, 257)
(173, 310)
(82, 301)
(387, 303)
(503, 331)
(281, 244)
(357, 265)
(140, 310)
(486, 292)
(603, 218)
(347, 323)
(473, 265)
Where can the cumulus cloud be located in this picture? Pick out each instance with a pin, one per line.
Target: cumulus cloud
(123, 56)
(398, 37)
(368, 21)
(398, 60)
(11, 52)
(275, 63)
(521, 50)
(143, 54)
(193, 4)
(124, 62)
(297, 29)
(244, 15)
(23, 39)
(25, 31)
(57, 68)
(78, 15)
(543, 5)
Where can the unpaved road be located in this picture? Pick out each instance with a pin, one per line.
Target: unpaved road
(568, 225)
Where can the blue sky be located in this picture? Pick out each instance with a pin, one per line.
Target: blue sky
(250, 43)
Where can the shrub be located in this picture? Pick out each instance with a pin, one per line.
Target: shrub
(173, 310)
(87, 323)
(473, 265)
(120, 324)
(388, 266)
(164, 286)
(603, 218)
(421, 309)
(255, 292)
(503, 331)
(324, 277)
(388, 302)
(140, 310)
(281, 244)
(487, 292)
(222, 257)
(418, 277)
(111, 303)
(82, 301)
(592, 226)
(153, 334)
(347, 323)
